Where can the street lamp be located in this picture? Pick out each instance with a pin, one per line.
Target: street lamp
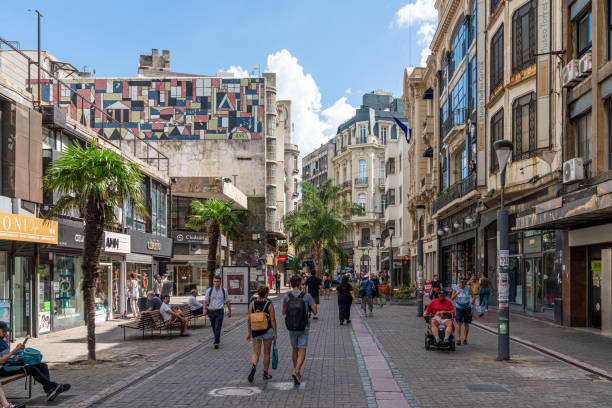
(420, 210)
(503, 149)
(377, 257)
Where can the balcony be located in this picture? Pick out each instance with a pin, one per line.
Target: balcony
(346, 184)
(456, 118)
(347, 244)
(361, 181)
(455, 191)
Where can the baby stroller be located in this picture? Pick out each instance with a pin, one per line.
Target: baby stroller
(431, 341)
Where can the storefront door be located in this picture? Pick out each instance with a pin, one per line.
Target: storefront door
(21, 289)
(595, 288)
(515, 278)
(534, 288)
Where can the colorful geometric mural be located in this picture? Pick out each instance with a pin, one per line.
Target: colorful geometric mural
(180, 109)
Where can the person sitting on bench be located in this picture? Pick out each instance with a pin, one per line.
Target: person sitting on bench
(171, 316)
(40, 372)
(153, 302)
(196, 307)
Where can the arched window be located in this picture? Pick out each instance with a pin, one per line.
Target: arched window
(361, 200)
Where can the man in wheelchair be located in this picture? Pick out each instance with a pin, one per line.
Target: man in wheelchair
(441, 309)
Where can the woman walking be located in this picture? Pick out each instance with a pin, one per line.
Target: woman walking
(133, 293)
(475, 292)
(261, 307)
(485, 291)
(346, 298)
(326, 286)
(157, 285)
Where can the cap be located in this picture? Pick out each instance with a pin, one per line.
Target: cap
(442, 292)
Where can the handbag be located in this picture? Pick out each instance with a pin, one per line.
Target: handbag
(274, 356)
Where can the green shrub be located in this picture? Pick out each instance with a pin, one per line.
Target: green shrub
(404, 292)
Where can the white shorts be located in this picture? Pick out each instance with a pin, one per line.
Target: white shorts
(440, 320)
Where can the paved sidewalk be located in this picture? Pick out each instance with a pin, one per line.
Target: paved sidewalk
(584, 345)
(444, 378)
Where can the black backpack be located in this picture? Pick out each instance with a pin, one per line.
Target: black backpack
(296, 317)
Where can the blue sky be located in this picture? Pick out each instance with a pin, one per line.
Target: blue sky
(330, 46)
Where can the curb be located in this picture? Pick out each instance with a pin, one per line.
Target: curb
(142, 374)
(552, 353)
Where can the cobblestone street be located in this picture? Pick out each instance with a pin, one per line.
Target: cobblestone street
(376, 361)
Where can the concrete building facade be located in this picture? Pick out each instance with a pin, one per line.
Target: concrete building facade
(318, 166)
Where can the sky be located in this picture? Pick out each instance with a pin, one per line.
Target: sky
(326, 53)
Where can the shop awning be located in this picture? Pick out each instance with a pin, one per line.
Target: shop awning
(428, 152)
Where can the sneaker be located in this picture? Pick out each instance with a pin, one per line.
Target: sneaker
(348, 321)
(54, 392)
(15, 406)
(464, 341)
(251, 376)
(65, 387)
(216, 345)
(341, 323)
(458, 342)
(297, 378)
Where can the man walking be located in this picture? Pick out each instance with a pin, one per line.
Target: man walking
(214, 301)
(166, 286)
(463, 308)
(367, 290)
(295, 309)
(313, 283)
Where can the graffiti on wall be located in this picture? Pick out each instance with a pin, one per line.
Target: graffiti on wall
(164, 109)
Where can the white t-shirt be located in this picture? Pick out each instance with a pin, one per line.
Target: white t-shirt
(217, 298)
(193, 303)
(164, 311)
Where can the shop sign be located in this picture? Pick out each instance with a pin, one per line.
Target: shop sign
(70, 236)
(29, 229)
(116, 243)
(282, 259)
(149, 244)
(406, 258)
(189, 237)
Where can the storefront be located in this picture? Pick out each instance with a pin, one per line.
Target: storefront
(457, 247)
(147, 251)
(430, 249)
(187, 268)
(20, 237)
(111, 299)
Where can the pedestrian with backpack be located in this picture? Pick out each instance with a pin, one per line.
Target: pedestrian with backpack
(295, 309)
(262, 329)
(16, 361)
(214, 302)
(366, 291)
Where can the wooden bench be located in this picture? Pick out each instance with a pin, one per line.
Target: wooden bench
(192, 318)
(152, 320)
(16, 377)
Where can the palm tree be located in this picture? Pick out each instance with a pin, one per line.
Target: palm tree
(94, 181)
(319, 223)
(220, 217)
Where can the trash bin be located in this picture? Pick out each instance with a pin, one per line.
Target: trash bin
(558, 311)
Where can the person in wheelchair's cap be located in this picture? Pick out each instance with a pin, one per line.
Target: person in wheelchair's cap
(442, 310)
(40, 372)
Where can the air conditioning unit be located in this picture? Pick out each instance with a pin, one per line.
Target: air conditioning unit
(570, 74)
(573, 170)
(586, 64)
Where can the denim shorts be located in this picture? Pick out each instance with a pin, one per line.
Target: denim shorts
(299, 339)
(266, 336)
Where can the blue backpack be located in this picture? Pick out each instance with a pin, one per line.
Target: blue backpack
(222, 291)
(22, 358)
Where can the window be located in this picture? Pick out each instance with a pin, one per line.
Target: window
(158, 209)
(391, 197)
(390, 166)
(472, 85)
(524, 126)
(399, 164)
(458, 45)
(383, 134)
(382, 171)
(365, 236)
(445, 124)
(497, 59)
(583, 140)
(350, 137)
(524, 37)
(362, 172)
(494, 4)
(458, 101)
(362, 134)
(444, 76)
(132, 219)
(497, 133)
(584, 33)
(473, 20)
(400, 194)
(361, 201)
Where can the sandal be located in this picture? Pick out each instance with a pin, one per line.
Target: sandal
(266, 376)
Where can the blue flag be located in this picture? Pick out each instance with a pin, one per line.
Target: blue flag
(407, 132)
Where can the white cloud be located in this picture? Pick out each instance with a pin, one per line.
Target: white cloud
(238, 71)
(313, 126)
(348, 91)
(423, 12)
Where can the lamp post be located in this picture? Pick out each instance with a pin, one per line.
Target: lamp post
(391, 269)
(420, 209)
(503, 149)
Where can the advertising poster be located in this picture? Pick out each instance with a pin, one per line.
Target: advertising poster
(236, 282)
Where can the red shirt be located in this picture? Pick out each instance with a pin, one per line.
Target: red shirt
(438, 305)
